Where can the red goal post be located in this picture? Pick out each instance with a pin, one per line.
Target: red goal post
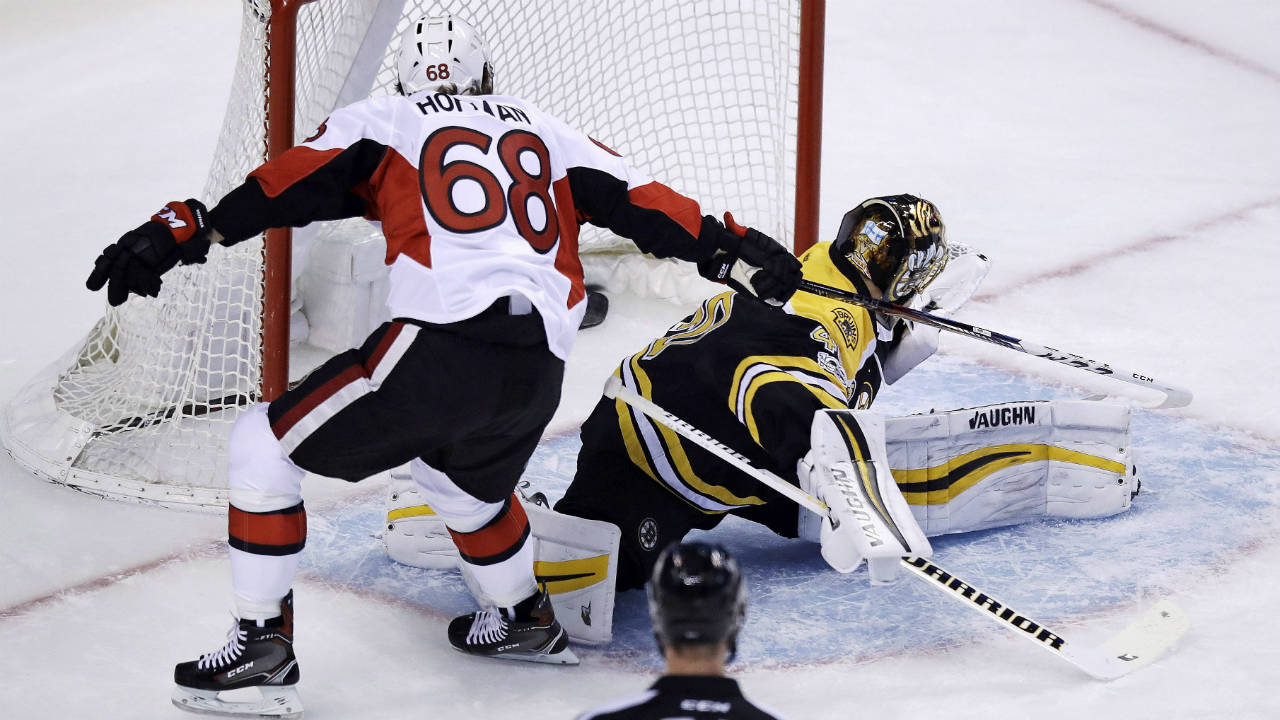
(720, 99)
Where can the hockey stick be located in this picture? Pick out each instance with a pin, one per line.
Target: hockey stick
(1137, 645)
(1174, 396)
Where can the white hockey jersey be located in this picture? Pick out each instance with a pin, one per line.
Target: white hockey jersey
(479, 197)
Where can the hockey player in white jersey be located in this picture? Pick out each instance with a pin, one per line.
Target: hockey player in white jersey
(480, 197)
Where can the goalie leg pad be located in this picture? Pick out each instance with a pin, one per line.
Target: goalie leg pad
(575, 558)
(847, 469)
(577, 561)
(415, 533)
(1011, 463)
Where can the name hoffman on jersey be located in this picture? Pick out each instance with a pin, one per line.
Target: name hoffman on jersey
(442, 103)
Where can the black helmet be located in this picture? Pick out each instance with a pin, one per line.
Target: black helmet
(696, 596)
(898, 241)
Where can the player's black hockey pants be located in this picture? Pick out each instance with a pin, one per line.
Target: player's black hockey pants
(470, 398)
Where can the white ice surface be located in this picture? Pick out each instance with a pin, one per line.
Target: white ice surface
(1123, 174)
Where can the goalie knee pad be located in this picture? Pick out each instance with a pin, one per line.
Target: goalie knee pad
(1005, 464)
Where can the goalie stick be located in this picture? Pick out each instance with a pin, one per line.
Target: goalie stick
(1174, 396)
(1137, 645)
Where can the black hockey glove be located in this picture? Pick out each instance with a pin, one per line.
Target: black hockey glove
(751, 262)
(135, 262)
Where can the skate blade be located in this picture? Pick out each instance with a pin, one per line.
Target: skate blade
(276, 702)
(564, 657)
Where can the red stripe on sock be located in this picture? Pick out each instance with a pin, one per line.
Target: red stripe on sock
(277, 528)
(501, 536)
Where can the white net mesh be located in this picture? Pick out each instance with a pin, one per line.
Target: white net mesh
(702, 96)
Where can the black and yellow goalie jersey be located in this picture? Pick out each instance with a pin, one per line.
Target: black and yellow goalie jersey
(751, 376)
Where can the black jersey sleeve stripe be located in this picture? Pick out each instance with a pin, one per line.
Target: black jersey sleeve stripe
(605, 201)
(299, 193)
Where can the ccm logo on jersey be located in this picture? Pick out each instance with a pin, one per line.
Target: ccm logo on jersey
(1002, 416)
(706, 706)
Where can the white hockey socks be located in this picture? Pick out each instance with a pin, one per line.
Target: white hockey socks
(267, 526)
(847, 469)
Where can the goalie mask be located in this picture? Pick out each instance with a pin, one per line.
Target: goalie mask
(444, 54)
(896, 241)
(697, 596)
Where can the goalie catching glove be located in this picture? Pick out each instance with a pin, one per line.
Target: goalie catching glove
(751, 262)
(178, 232)
(867, 518)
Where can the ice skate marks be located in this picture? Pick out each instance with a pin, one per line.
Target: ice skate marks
(1058, 570)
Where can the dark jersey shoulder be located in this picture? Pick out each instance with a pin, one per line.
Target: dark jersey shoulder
(685, 697)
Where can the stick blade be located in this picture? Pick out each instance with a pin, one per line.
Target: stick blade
(1139, 644)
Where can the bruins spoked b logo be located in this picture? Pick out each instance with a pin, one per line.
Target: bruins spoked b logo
(648, 533)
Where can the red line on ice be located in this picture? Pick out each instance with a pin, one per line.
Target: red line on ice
(1137, 246)
(1184, 39)
(106, 581)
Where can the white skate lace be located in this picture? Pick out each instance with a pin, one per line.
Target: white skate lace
(487, 627)
(235, 645)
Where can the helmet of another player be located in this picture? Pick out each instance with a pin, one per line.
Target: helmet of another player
(896, 241)
(444, 54)
(697, 596)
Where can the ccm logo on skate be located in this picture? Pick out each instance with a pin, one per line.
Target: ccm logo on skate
(241, 669)
(1002, 416)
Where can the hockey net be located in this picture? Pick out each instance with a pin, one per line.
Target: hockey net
(702, 96)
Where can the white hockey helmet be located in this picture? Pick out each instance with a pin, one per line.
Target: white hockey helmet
(445, 54)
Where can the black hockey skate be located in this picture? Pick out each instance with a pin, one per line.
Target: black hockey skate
(529, 631)
(258, 654)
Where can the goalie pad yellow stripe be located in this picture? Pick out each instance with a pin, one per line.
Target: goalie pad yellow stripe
(408, 512)
(568, 575)
(942, 483)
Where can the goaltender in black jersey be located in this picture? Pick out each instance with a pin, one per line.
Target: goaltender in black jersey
(790, 391)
